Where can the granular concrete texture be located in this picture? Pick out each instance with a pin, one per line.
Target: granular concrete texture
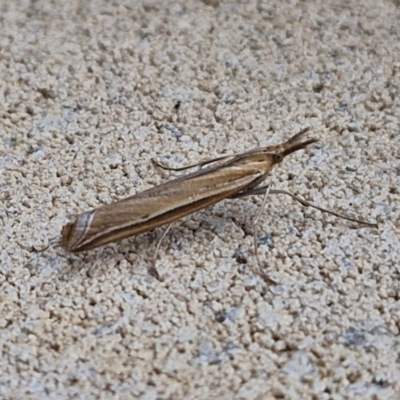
(91, 91)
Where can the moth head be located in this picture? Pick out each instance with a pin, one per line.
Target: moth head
(277, 157)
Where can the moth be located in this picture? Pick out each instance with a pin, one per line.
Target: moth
(231, 176)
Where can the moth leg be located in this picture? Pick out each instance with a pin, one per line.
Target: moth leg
(267, 191)
(252, 191)
(153, 269)
(261, 190)
(249, 191)
(255, 221)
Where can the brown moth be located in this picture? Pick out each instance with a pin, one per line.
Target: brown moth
(233, 176)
